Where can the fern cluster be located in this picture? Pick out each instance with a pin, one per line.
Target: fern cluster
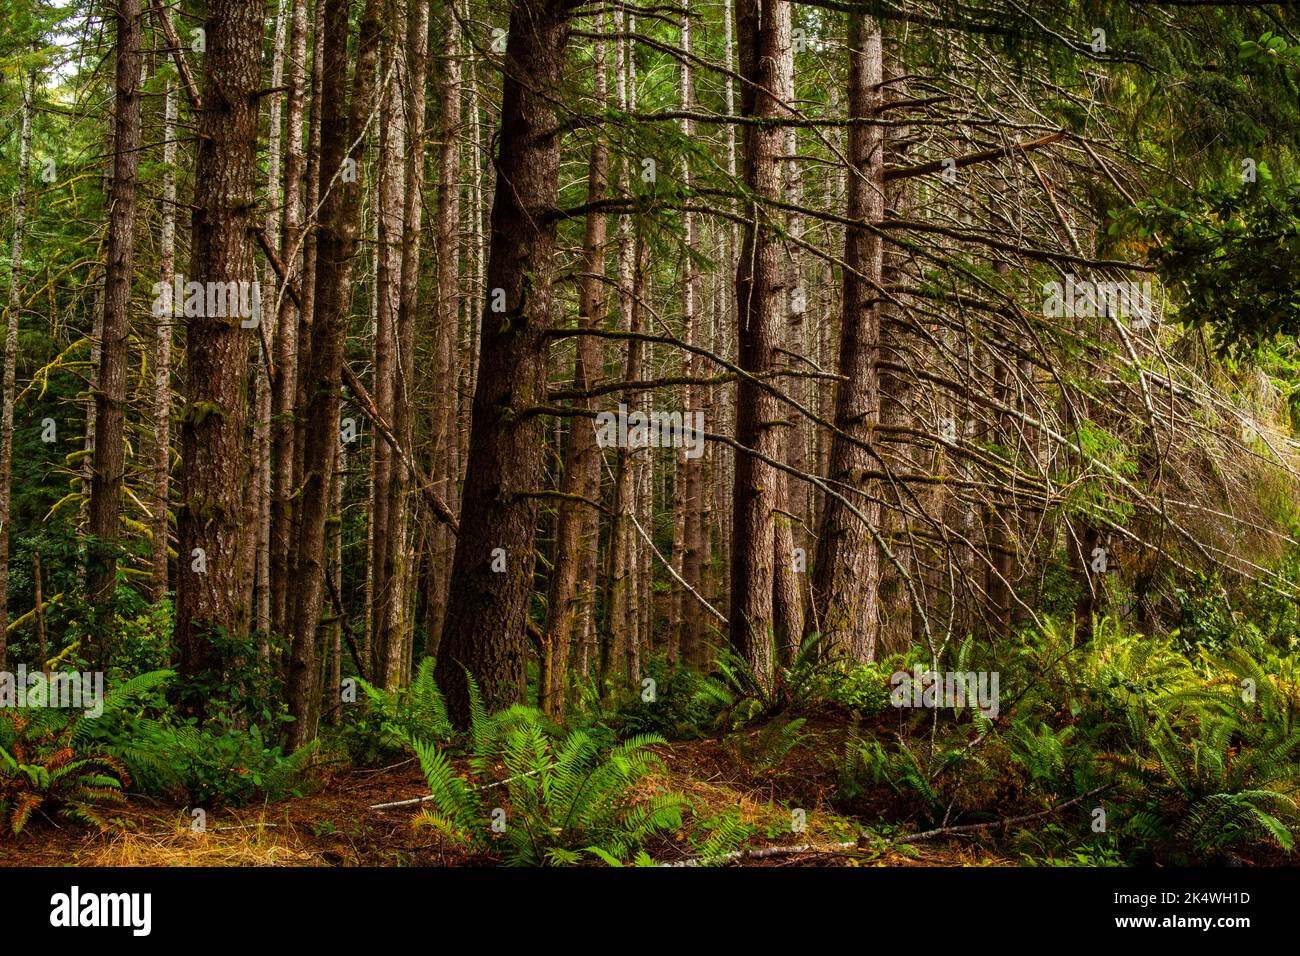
(540, 799)
(738, 695)
(417, 711)
(50, 760)
(1192, 756)
(1219, 769)
(167, 756)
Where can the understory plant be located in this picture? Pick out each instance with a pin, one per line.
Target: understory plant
(540, 798)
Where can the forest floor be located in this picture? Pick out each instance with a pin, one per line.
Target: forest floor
(336, 823)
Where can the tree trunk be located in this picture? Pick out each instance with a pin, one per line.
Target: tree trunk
(162, 358)
(385, 654)
(846, 571)
(763, 31)
(343, 126)
(213, 438)
(401, 569)
(581, 457)
(485, 626)
(264, 400)
(285, 385)
(11, 358)
(109, 466)
(688, 621)
(445, 437)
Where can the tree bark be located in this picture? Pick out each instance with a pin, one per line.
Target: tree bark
(213, 438)
(386, 654)
(763, 32)
(485, 626)
(343, 125)
(109, 466)
(11, 357)
(285, 384)
(581, 457)
(401, 569)
(162, 357)
(444, 427)
(846, 570)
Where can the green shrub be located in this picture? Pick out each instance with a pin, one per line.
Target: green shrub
(376, 732)
(41, 767)
(169, 756)
(59, 758)
(675, 711)
(737, 696)
(860, 689)
(566, 799)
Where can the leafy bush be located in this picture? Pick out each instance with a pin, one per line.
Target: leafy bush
(417, 711)
(770, 744)
(860, 689)
(676, 711)
(41, 767)
(737, 695)
(565, 797)
(1218, 771)
(220, 762)
(60, 758)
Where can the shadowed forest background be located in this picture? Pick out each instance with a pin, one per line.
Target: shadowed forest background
(317, 317)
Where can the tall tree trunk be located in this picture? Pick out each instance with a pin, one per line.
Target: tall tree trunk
(109, 466)
(620, 576)
(315, 180)
(581, 457)
(763, 31)
(259, 506)
(213, 438)
(445, 432)
(162, 358)
(285, 385)
(688, 622)
(401, 570)
(334, 545)
(900, 622)
(485, 627)
(386, 655)
(846, 571)
(11, 357)
(343, 126)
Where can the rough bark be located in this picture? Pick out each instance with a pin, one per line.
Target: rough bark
(386, 654)
(846, 570)
(400, 569)
(343, 125)
(581, 456)
(284, 385)
(444, 431)
(213, 439)
(688, 623)
(763, 32)
(11, 357)
(162, 358)
(485, 629)
(109, 466)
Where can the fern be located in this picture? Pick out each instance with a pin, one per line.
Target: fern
(418, 710)
(40, 768)
(566, 799)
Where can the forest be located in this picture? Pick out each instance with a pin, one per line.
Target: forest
(694, 433)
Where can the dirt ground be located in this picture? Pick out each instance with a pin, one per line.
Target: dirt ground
(336, 824)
